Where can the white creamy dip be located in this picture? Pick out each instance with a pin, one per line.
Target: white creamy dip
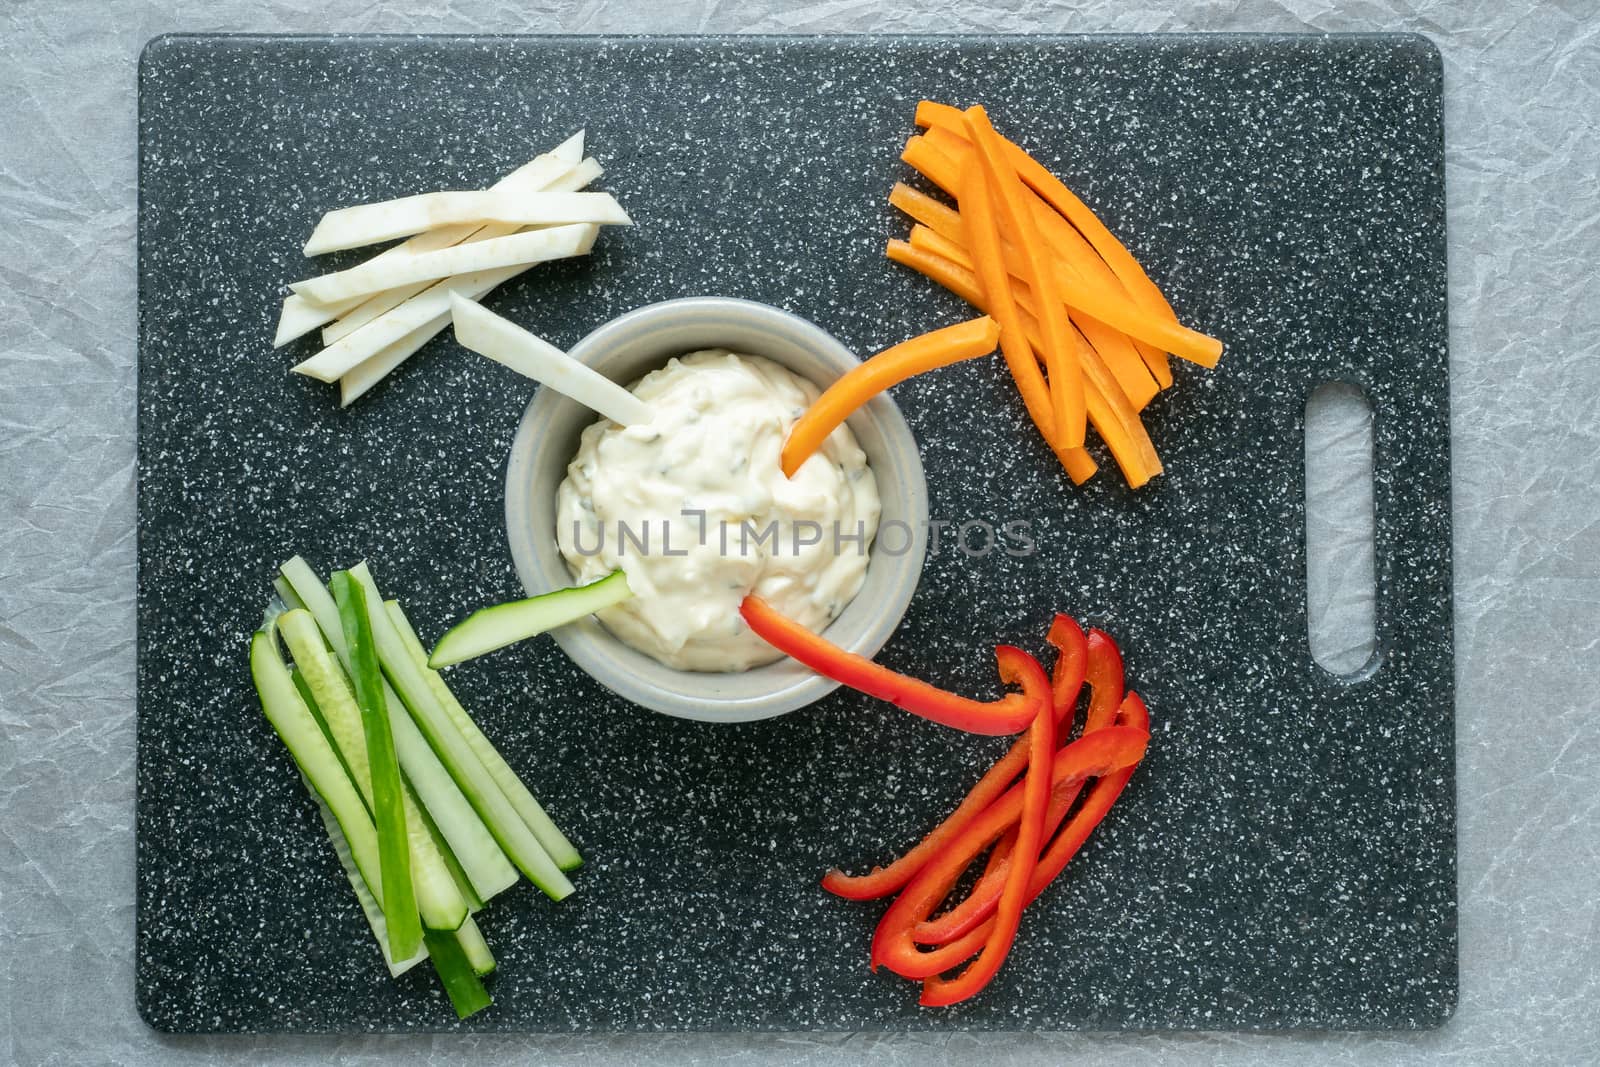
(633, 499)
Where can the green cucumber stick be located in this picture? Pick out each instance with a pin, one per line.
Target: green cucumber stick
(525, 803)
(452, 749)
(466, 992)
(313, 754)
(470, 842)
(437, 899)
(388, 803)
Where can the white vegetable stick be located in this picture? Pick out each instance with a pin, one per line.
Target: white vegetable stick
(370, 308)
(585, 172)
(504, 341)
(370, 371)
(367, 224)
(300, 316)
(529, 246)
(569, 151)
(338, 358)
(364, 375)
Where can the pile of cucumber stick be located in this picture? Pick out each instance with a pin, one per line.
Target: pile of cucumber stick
(426, 817)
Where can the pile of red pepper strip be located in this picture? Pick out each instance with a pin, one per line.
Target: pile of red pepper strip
(1020, 821)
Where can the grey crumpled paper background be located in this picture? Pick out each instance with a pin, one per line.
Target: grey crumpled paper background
(1522, 96)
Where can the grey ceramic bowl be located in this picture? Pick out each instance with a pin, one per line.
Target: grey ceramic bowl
(626, 349)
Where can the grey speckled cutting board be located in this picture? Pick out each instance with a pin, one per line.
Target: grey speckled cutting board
(1284, 858)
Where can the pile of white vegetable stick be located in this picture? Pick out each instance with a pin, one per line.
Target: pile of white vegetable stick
(375, 315)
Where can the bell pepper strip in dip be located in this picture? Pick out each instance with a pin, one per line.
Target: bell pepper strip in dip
(1098, 754)
(962, 929)
(1067, 636)
(1053, 192)
(929, 351)
(1029, 263)
(1008, 715)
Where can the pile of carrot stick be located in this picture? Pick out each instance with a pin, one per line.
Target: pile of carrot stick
(1085, 333)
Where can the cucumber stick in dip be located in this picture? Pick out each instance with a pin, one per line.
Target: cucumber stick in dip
(440, 903)
(474, 849)
(527, 805)
(313, 754)
(464, 766)
(388, 799)
(504, 624)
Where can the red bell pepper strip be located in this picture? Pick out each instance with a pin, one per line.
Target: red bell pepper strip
(963, 927)
(1099, 754)
(1072, 654)
(1025, 671)
(1071, 664)
(1008, 715)
(1036, 789)
(995, 869)
(1105, 680)
(1074, 661)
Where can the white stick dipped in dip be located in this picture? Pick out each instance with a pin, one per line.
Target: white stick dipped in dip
(694, 508)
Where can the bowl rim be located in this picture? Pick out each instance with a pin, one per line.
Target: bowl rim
(587, 641)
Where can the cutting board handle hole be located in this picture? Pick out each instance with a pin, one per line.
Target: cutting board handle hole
(1340, 569)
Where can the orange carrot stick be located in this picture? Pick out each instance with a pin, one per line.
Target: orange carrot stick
(1114, 307)
(995, 283)
(1113, 345)
(1053, 192)
(1121, 354)
(939, 217)
(1113, 418)
(1072, 254)
(1074, 210)
(946, 221)
(943, 157)
(1079, 464)
(1116, 420)
(1031, 265)
(966, 340)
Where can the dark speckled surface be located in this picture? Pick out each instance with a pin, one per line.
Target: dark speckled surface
(1285, 858)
